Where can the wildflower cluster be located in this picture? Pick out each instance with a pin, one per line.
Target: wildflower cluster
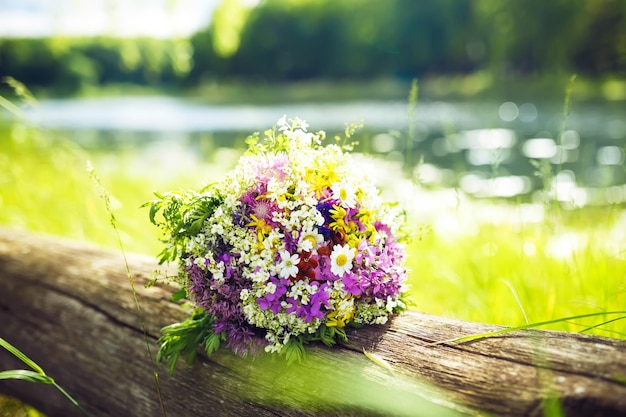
(293, 245)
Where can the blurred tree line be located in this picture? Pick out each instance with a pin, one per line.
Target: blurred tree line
(285, 40)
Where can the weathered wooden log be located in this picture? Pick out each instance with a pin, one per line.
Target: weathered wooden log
(69, 306)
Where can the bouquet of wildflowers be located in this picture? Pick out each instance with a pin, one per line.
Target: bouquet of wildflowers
(291, 247)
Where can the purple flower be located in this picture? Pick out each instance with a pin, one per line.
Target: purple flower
(253, 203)
(263, 303)
(325, 207)
(307, 313)
(322, 272)
(352, 284)
(291, 244)
(319, 299)
(383, 228)
(326, 232)
(273, 300)
(294, 305)
(304, 311)
(365, 253)
(272, 167)
(241, 338)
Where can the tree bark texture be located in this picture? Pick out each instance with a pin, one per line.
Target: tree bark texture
(69, 306)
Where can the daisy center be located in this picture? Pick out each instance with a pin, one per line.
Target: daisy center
(342, 259)
(343, 193)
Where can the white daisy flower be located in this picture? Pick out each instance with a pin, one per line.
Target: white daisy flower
(341, 259)
(345, 193)
(309, 241)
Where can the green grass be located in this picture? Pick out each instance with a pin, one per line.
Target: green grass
(506, 272)
(45, 187)
(536, 271)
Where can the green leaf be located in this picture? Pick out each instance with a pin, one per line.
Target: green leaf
(179, 295)
(171, 363)
(327, 335)
(293, 351)
(182, 339)
(154, 208)
(21, 356)
(11, 108)
(330, 335)
(341, 334)
(212, 343)
(26, 375)
(191, 355)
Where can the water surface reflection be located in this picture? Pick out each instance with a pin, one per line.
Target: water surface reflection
(484, 149)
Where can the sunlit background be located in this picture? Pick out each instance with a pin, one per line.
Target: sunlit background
(500, 125)
(159, 19)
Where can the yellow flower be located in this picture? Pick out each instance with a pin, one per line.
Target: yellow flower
(321, 177)
(365, 216)
(352, 240)
(316, 182)
(333, 319)
(338, 214)
(332, 177)
(262, 228)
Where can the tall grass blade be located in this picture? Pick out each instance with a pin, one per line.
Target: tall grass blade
(519, 303)
(70, 399)
(106, 197)
(566, 109)
(564, 116)
(479, 336)
(21, 356)
(22, 92)
(411, 129)
(37, 376)
(586, 329)
(11, 108)
(28, 376)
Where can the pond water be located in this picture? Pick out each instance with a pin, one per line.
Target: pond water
(484, 148)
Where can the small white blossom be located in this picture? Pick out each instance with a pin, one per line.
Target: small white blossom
(288, 264)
